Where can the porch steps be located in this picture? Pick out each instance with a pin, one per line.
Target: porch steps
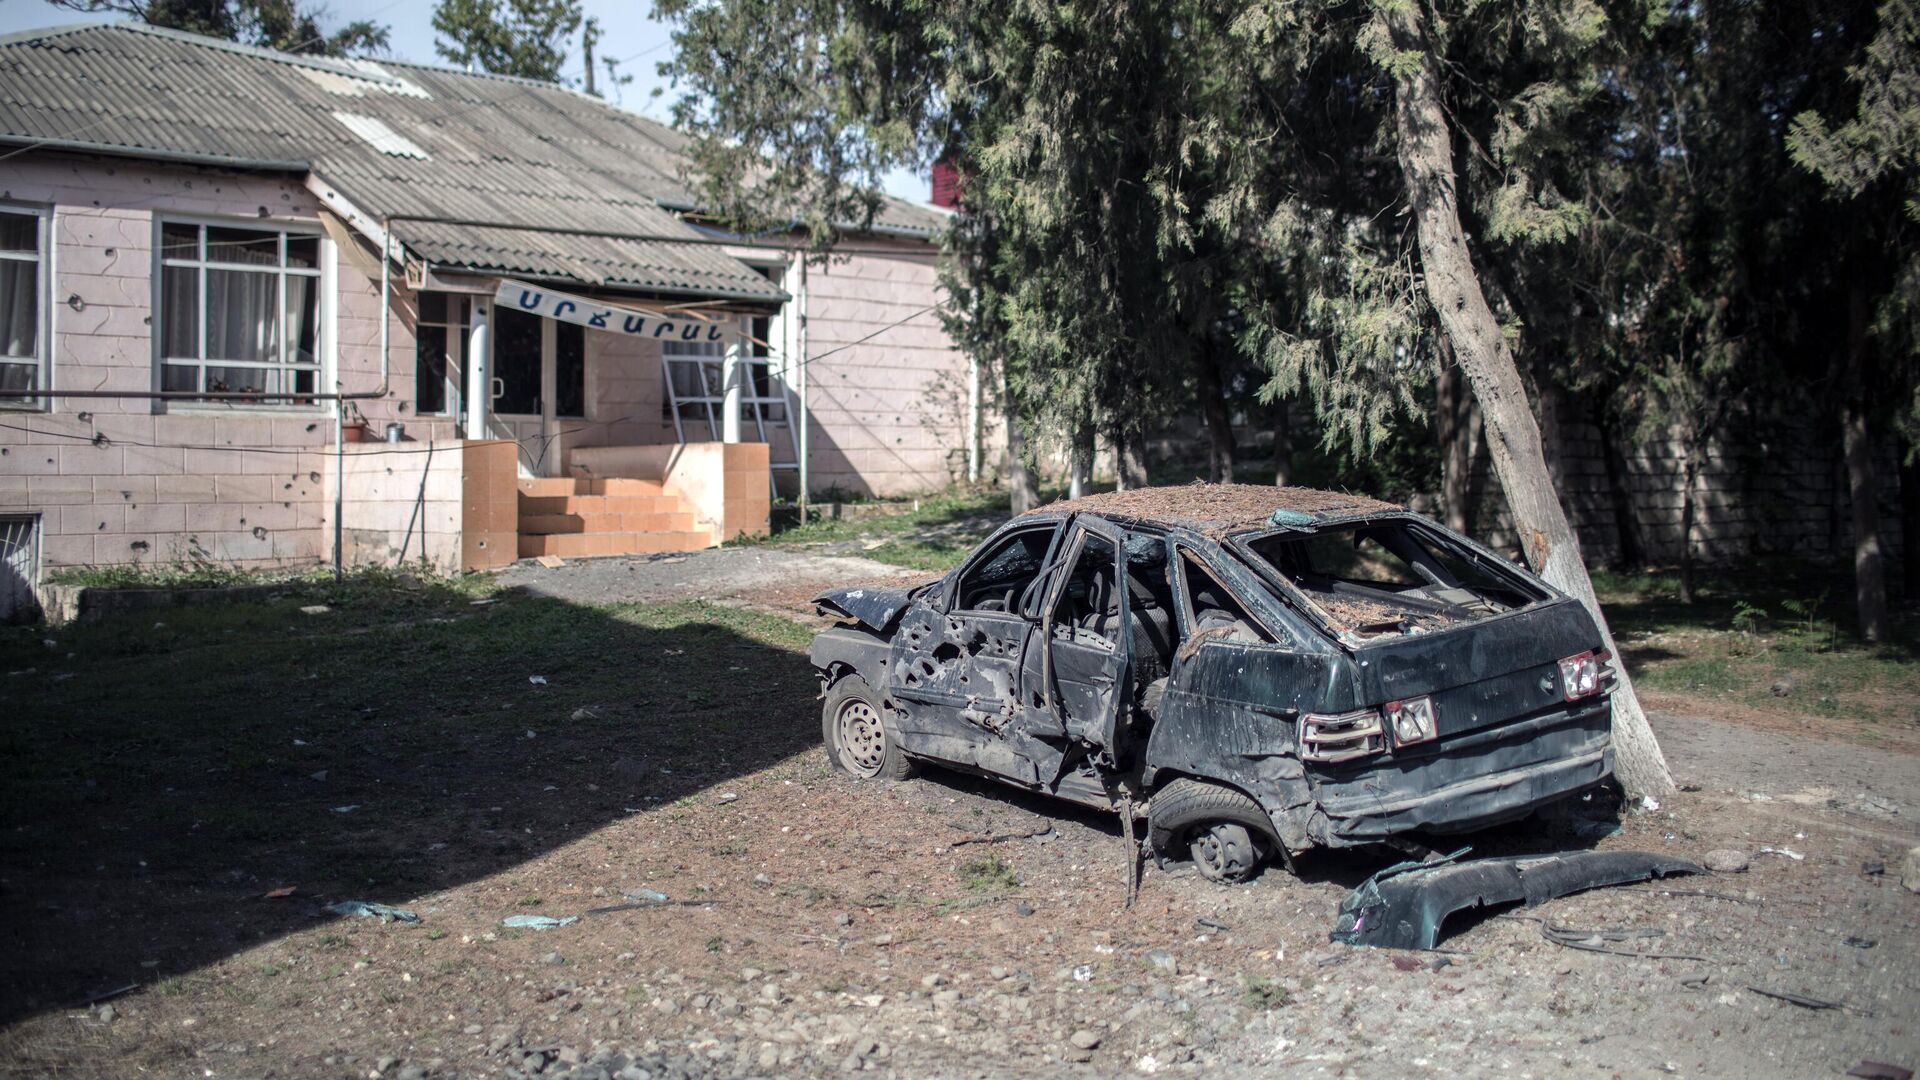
(576, 518)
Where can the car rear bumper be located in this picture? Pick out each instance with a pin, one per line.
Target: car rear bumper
(1476, 782)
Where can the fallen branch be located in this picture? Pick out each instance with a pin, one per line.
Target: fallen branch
(1806, 1002)
(996, 838)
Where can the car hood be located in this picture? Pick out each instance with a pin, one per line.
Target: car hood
(873, 606)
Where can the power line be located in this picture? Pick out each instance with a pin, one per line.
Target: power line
(101, 439)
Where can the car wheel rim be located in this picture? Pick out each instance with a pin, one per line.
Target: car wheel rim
(1221, 852)
(863, 742)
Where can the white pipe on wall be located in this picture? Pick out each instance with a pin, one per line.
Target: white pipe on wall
(973, 419)
(803, 374)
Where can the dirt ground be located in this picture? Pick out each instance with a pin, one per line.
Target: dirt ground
(814, 925)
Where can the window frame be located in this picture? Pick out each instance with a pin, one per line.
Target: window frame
(42, 258)
(990, 546)
(325, 347)
(1179, 554)
(456, 355)
(549, 354)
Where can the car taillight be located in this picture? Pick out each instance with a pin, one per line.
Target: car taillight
(1584, 675)
(1411, 721)
(1341, 737)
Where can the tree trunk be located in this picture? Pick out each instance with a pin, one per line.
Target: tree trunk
(1689, 473)
(1426, 159)
(1080, 463)
(1863, 491)
(1282, 444)
(1452, 423)
(1626, 530)
(1023, 494)
(1129, 461)
(1213, 406)
(1909, 524)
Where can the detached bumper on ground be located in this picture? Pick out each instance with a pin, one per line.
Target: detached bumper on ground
(1403, 906)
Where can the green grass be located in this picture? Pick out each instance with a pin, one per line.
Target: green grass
(1775, 637)
(989, 873)
(173, 756)
(1262, 994)
(934, 537)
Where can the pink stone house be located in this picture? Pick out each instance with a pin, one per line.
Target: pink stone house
(228, 277)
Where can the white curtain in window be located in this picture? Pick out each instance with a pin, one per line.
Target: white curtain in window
(19, 308)
(302, 297)
(240, 322)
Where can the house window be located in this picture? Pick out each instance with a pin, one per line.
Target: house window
(519, 344)
(439, 353)
(239, 310)
(23, 301)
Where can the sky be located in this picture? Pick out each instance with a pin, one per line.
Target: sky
(638, 42)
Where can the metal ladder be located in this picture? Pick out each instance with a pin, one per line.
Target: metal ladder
(709, 374)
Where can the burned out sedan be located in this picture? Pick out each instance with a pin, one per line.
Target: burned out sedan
(1268, 670)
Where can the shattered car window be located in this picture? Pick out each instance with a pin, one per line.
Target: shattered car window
(1379, 579)
(996, 582)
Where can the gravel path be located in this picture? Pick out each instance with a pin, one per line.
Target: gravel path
(700, 575)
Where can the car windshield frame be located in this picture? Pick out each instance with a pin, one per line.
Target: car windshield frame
(1285, 592)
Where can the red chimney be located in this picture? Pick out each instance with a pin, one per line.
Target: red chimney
(947, 183)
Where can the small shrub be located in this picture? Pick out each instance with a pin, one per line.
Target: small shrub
(989, 874)
(1263, 994)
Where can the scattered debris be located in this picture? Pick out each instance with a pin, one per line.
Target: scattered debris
(106, 995)
(1042, 833)
(537, 922)
(1649, 803)
(280, 893)
(1873, 867)
(367, 910)
(1214, 925)
(537, 680)
(728, 797)
(1910, 871)
(551, 562)
(315, 609)
(1083, 973)
(1783, 852)
(647, 896)
(1588, 829)
(1596, 941)
(347, 809)
(1725, 861)
(1858, 942)
(321, 775)
(584, 713)
(1879, 1070)
(1791, 998)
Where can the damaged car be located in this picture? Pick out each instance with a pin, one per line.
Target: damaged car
(1268, 670)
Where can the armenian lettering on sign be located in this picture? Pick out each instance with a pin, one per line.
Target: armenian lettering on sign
(632, 321)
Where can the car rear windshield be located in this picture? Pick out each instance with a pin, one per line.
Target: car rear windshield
(1371, 580)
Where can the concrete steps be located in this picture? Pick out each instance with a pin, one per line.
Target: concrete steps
(574, 518)
(586, 545)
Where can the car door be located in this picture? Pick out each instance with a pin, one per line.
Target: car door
(1083, 645)
(954, 665)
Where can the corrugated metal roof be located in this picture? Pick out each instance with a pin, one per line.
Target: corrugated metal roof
(517, 156)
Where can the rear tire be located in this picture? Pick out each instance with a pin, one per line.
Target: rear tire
(853, 726)
(1222, 830)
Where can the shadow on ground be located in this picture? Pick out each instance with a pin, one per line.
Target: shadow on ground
(1570, 827)
(167, 773)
